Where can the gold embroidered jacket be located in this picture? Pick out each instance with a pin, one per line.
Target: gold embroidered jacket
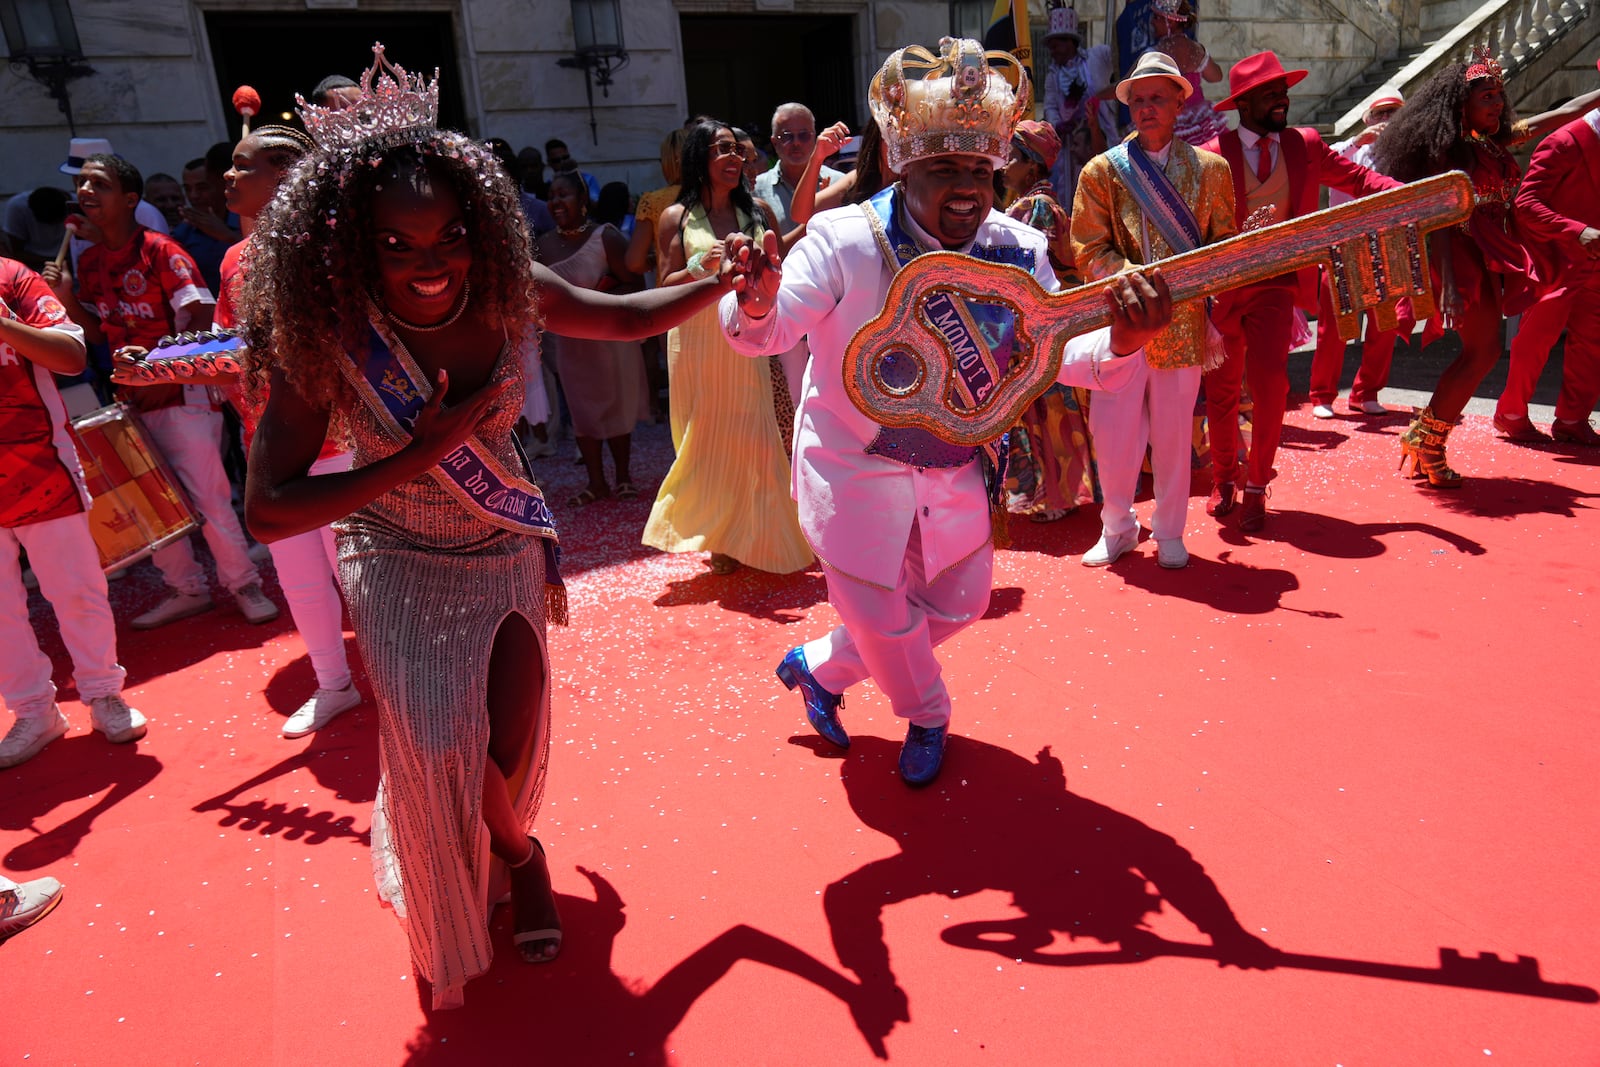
(1106, 228)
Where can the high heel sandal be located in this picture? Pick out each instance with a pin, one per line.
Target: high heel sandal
(536, 946)
(1423, 445)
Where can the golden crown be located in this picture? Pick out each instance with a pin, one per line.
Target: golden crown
(958, 102)
(391, 99)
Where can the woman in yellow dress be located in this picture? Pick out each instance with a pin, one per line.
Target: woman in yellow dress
(728, 490)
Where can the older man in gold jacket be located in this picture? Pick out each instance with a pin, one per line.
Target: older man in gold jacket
(1148, 198)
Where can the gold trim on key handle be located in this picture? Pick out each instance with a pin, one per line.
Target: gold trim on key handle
(1374, 249)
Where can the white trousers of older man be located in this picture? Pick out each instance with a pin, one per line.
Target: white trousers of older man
(889, 635)
(1156, 408)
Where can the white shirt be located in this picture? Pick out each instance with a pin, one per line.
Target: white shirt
(856, 508)
(1251, 142)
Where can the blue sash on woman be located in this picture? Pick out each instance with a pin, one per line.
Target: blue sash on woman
(395, 390)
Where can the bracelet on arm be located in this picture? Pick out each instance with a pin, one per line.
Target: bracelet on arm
(697, 266)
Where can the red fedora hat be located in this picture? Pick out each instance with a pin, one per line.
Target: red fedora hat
(1253, 71)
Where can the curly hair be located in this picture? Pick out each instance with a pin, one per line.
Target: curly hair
(313, 264)
(1425, 137)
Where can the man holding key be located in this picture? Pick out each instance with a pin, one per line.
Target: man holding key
(901, 519)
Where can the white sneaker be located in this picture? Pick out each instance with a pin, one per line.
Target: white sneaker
(324, 706)
(254, 605)
(120, 723)
(1322, 411)
(28, 736)
(1109, 548)
(259, 553)
(1171, 554)
(1371, 407)
(25, 903)
(176, 606)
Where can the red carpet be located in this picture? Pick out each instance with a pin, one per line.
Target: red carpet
(1368, 733)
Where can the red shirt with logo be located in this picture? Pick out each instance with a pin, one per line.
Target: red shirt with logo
(137, 291)
(40, 477)
(234, 264)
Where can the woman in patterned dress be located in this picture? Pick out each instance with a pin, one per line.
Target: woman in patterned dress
(412, 242)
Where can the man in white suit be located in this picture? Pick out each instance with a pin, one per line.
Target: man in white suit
(900, 519)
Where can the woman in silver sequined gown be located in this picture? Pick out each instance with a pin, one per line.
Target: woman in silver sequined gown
(416, 234)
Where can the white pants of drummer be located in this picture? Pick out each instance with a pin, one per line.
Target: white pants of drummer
(190, 437)
(64, 559)
(308, 571)
(889, 635)
(1155, 408)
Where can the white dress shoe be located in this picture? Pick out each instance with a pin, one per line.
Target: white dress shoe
(1371, 407)
(1171, 554)
(324, 706)
(1322, 411)
(1110, 548)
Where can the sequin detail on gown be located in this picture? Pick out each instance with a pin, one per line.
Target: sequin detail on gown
(428, 584)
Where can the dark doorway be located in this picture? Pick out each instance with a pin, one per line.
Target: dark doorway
(740, 69)
(281, 54)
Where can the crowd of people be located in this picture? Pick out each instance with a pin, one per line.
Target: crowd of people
(419, 312)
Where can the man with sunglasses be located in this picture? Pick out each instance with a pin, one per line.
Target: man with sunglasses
(794, 137)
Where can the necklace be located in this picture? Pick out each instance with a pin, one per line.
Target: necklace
(461, 305)
(576, 231)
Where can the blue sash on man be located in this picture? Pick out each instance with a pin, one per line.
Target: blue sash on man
(1168, 212)
(979, 376)
(395, 390)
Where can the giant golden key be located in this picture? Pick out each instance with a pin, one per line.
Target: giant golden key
(901, 369)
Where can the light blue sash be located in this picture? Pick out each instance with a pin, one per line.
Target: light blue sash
(394, 390)
(981, 361)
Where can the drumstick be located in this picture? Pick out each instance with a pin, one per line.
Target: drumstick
(247, 102)
(66, 243)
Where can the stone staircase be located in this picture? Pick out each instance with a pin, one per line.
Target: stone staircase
(1544, 45)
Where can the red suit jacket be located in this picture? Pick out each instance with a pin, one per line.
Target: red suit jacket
(1560, 197)
(1312, 164)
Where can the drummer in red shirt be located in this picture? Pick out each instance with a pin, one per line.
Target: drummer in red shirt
(43, 510)
(135, 287)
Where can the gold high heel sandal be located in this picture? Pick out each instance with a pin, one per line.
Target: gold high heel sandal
(1423, 444)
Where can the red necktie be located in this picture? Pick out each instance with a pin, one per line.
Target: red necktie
(1264, 160)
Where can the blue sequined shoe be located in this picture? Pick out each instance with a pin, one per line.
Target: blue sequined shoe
(922, 753)
(822, 707)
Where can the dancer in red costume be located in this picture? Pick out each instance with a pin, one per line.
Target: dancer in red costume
(1461, 120)
(1558, 208)
(1277, 171)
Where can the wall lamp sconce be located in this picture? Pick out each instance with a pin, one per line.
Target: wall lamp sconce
(597, 28)
(44, 44)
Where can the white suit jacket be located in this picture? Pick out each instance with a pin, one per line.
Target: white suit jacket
(856, 508)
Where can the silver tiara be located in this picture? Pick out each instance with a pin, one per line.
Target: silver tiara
(391, 99)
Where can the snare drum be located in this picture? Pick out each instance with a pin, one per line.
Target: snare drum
(138, 505)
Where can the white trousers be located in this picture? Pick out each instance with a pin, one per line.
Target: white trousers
(308, 571)
(889, 635)
(1157, 409)
(67, 564)
(190, 437)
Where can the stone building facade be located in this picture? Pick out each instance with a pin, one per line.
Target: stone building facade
(163, 69)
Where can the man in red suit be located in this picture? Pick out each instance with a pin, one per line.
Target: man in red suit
(1558, 206)
(1277, 173)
